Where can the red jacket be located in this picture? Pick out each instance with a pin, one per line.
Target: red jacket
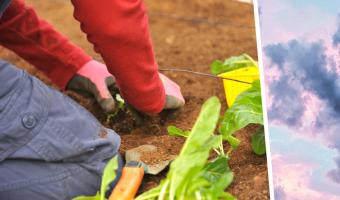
(118, 29)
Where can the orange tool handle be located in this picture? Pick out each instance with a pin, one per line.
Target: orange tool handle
(128, 184)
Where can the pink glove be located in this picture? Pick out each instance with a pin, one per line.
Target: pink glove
(174, 97)
(94, 78)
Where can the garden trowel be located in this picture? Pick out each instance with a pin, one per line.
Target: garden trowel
(133, 172)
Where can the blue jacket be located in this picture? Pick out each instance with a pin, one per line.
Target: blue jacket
(50, 147)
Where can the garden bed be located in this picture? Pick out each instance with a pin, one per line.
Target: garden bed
(186, 35)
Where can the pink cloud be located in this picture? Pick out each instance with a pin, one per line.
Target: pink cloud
(280, 22)
(294, 176)
(270, 29)
(314, 105)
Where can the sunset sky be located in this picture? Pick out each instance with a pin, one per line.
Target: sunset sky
(301, 50)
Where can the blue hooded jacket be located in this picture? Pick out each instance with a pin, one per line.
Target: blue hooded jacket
(50, 147)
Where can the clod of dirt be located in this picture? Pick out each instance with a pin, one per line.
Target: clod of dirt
(259, 182)
(155, 158)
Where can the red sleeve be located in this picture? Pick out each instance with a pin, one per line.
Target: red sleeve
(119, 31)
(36, 41)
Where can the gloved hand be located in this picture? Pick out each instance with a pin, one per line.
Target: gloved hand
(174, 98)
(94, 78)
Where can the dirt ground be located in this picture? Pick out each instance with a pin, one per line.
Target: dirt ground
(186, 35)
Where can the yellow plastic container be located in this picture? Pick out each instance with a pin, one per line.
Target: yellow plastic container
(233, 88)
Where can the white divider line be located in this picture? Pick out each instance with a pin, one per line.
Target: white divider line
(263, 94)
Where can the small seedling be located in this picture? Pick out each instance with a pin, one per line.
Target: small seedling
(120, 103)
(123, 106)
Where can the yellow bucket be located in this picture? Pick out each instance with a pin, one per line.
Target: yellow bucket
(233, 88)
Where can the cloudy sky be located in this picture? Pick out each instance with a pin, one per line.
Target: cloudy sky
(301, 48)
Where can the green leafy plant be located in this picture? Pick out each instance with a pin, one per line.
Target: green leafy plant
(192, 175)
(247, 109)
(174, 131)
(109, 175)
(258, 142)
(232, 63)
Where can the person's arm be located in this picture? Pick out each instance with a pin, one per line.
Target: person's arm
(35, 40)
(119, 31)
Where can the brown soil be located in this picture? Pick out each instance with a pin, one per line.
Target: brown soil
(155, 156)
(186, 35)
